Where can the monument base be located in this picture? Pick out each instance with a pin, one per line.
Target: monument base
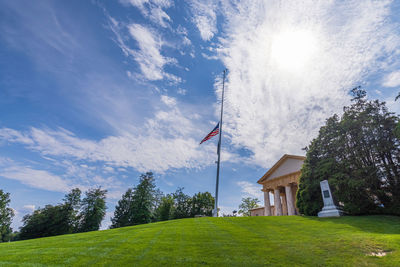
(330, 211)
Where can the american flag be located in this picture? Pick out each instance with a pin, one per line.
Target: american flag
(214, 132)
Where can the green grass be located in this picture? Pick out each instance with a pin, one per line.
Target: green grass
(251, 241)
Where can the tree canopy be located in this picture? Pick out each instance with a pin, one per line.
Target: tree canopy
(247, 204)
(6, 214)
(359, 155)
(93, 210)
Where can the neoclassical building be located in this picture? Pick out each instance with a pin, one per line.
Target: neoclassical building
(282, 181)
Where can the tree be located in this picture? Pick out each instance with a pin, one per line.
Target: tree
(72, 202)
(247, 204)
(182, 207)
(359, 155)
(397, 129)
(137, 205)
(6, 214)
(166, 208)
(122, 213)
(48, 221)
(143, 200)
(93, 210)
(202, 204)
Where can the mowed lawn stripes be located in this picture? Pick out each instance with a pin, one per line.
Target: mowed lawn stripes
(249, 241)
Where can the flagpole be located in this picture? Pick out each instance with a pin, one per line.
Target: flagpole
(215, 214)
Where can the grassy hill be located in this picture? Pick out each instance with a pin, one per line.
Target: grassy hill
(251, 241)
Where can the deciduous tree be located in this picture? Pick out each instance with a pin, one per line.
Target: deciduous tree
(6, 214)
(247, 204)
(93, 210)
(202, 204)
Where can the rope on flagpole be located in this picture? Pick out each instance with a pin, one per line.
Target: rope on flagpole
(215, 212)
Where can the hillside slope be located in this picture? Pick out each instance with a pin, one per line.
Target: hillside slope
(251, 241)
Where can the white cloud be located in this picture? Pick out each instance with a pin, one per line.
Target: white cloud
(35, 178)
(392, 80)
(153, 10)
(181, 91)
(251, 190)
(169, 101)
(169, 140)
(148, 55)
(276, 105)
(209, 57)
(205, 17)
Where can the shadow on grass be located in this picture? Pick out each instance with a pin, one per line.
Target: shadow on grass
(380, 224)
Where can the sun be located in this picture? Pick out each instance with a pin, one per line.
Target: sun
(293, 50)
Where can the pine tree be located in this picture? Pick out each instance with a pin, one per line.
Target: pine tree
(142, 209)
(122, 213)
(137, 205)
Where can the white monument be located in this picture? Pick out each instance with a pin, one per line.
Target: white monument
(329, 209)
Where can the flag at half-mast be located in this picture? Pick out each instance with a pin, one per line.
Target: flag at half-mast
(214, 132)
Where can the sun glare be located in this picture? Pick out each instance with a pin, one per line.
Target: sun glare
(292, 50)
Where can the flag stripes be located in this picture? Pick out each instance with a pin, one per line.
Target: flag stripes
(214, 132)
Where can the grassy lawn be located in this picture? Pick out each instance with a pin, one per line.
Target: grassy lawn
(251, 241)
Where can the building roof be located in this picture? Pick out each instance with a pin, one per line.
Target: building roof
(277, 164)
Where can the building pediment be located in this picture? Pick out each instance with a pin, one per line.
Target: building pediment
(288, 164)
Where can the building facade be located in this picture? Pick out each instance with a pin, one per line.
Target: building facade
(282, 181)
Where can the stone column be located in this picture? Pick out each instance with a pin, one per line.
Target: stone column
(284, 204)
(289, 200)
(267, 211)
(277, 200)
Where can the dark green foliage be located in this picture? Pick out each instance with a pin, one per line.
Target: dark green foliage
(202, 204)
(48, 221)
(397, 130)
(166, 208)
(6, 214)
(72, 216)
(122, 214)
(183, 204)
(145, 203)
(137, 205)
(359, 155)
(93, 210)
(72, 202)
(247, 204)
(143, 200)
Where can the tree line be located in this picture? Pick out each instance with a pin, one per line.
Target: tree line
(144, 204)
(138, 205)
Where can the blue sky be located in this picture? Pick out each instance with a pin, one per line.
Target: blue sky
(93, 93)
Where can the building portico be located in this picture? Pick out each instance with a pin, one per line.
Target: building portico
(282, 181)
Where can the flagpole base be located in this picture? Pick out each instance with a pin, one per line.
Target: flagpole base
(215, 213)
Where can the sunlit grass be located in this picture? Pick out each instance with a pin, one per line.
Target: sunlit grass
(251, 241)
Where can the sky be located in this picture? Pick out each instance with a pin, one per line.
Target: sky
(94, 93)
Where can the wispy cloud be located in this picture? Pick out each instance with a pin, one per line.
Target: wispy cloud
(205, 17)
(153, 10)
(40, 179)
(275, 105)
(148, 53)
(250, 190)
(166, 141)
